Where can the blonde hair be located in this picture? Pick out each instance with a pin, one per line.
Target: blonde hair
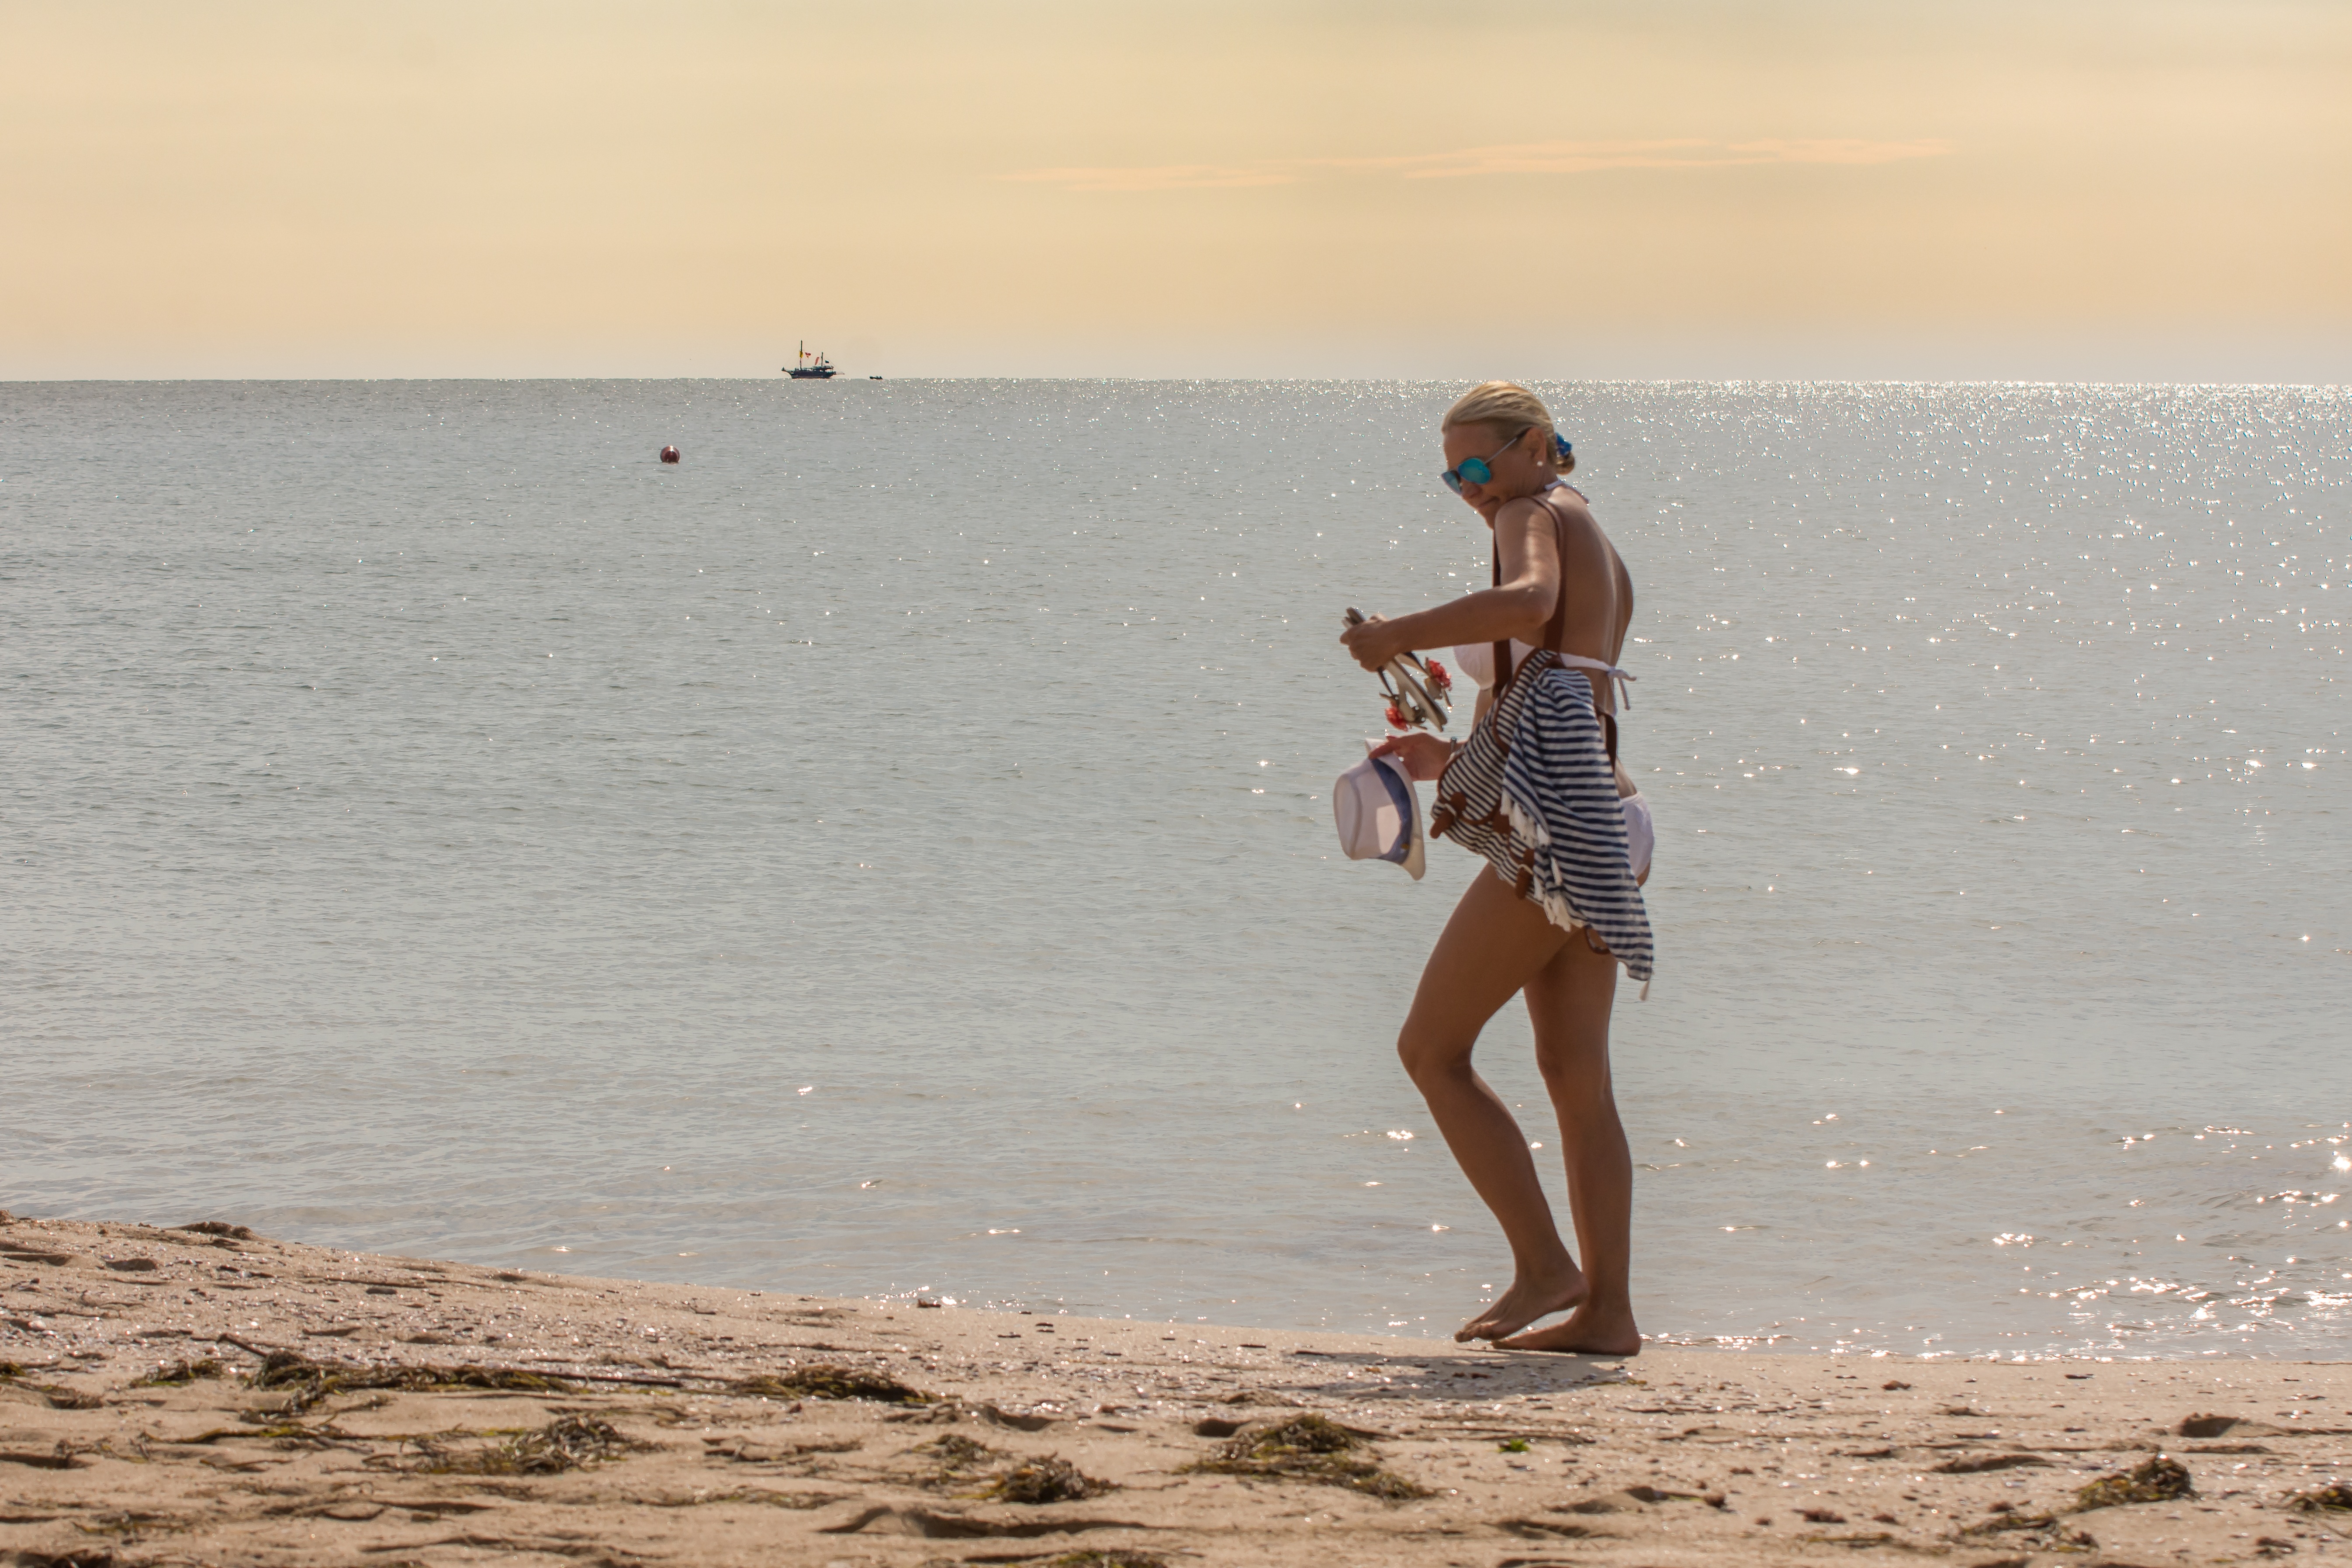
(1505, 406)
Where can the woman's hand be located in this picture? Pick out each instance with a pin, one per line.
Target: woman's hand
(1423, 754)
(1374, 643)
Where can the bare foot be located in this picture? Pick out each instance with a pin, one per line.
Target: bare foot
(1589, 1331)
(1523, 1303)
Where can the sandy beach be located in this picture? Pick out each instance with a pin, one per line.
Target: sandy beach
(203, 1395)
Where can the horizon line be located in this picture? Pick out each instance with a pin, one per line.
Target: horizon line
(779, 379)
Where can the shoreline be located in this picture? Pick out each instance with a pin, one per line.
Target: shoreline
(201, 1394)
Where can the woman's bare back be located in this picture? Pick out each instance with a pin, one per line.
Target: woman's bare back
(1599, 592)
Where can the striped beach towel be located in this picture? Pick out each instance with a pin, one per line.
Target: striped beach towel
(1534, 792)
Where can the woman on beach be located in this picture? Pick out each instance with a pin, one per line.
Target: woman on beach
(1537, 791)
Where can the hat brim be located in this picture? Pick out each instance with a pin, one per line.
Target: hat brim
(1411, 853)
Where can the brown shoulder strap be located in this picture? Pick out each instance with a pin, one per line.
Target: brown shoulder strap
(1559, 625)
(1502, 648)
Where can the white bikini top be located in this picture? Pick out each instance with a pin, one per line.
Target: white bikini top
(1477, 661)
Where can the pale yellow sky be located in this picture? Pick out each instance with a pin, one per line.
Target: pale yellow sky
(1905, 188)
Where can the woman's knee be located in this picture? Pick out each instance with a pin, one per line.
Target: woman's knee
(1432, 1056)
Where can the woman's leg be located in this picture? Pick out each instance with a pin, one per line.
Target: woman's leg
(1569, 1003)
(1495, 943)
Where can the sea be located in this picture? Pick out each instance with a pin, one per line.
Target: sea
(889, 852)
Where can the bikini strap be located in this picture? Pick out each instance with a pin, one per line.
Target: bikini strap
(1502, 646)
(1598, 667)
(1559, 626)
(1553, 632)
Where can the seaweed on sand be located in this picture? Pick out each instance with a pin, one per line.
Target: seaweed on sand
(797, 1501)
(180, 1372)
(2049, 1527)
(311, 1381)
(2159, 1480)
(954, 1452)
(1307, 1448)
(59, 1396)
(563, 1444)
(830, 1382)
(2334, 1498)
(1053, 1479)
(1114, 1558)
(1977, 1464)
(263, 1427)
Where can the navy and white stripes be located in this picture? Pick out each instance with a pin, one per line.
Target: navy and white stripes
(1534, 792)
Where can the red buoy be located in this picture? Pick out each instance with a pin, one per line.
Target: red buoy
(670, 454)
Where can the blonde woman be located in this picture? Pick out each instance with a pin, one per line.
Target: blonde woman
(1537, 792)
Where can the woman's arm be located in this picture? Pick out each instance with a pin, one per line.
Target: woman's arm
(1519, 608)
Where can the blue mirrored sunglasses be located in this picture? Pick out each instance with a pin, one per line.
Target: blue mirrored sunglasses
(1480, 470)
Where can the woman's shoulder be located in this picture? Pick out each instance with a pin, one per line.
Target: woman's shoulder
(1569, 500)
(1527, 512)
(1542, 511)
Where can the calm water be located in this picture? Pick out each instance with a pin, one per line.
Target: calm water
(890, 851)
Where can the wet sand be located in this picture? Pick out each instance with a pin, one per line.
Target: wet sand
(322, 1407)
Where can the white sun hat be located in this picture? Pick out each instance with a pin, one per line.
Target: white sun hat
(1379, 813)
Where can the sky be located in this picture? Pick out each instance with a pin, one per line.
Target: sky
(1901, 189)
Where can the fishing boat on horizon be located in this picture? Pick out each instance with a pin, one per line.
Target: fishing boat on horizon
(811, 366)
